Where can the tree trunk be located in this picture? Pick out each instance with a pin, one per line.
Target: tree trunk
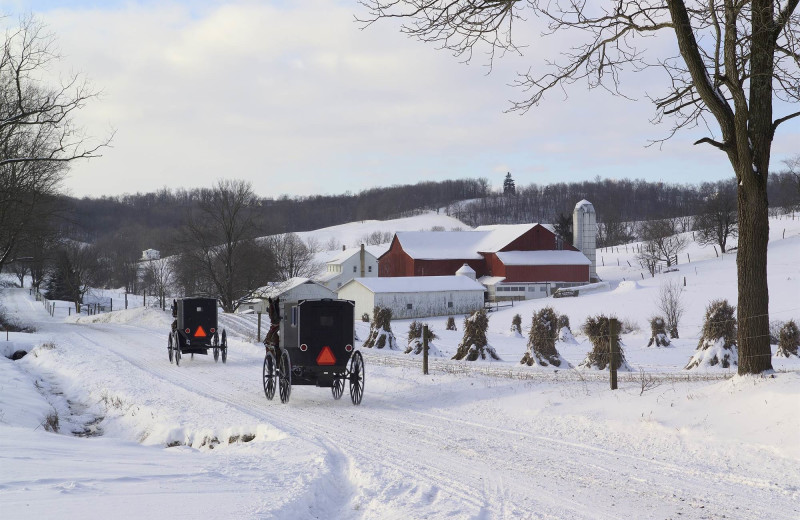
(755, 354)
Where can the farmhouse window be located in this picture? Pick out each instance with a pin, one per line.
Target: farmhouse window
(354, 269)
(294, 316)
(449, 305)
(369, 269)
(409, 306)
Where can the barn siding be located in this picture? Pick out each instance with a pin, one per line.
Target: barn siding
(395, 262)
(546, 273)
(430, 303)
(446, 267)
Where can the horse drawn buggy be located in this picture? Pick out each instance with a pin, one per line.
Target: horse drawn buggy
(194, 330)
(310, 342)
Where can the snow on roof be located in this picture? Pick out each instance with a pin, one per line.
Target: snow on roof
(544, 258)
(442, 245)
(465, 269)
(342, 256)
(461, 245)
(421, 284)
(491, 280)
(501, 235)
(277, 288)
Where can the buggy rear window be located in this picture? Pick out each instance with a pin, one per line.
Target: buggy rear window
(326, 321)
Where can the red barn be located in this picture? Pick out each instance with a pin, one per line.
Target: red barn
(511, 257)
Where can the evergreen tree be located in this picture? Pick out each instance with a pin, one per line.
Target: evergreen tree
(509, 188)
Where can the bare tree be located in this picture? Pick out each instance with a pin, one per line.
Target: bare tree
(670, 303)
(38, 135)
(718, 221)
(292, 256)
(222, 247)
(158, 277)
(73, 274)
(734, 59)
(660, 240)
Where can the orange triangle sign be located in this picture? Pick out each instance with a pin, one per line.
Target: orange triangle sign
(200, 333)
(326, 357)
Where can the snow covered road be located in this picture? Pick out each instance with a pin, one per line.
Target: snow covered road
(440, 446)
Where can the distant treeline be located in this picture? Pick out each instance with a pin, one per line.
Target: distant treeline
(153, 219)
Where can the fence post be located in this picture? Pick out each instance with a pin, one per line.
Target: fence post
(613, 327)
(111, 304)
(126, 300)
(425, 349)
(258, 334)
(144, 298)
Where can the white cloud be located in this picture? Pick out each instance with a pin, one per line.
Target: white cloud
(295, 97)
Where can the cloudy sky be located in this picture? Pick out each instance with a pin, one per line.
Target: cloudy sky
(296, 98)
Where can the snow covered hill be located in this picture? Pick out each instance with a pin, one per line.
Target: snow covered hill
(480, 440)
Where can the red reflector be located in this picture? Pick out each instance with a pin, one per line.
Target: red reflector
(326, 357)
(213, 330)
(187, 331)
(348, 347)
(303, 347)
(200, 333)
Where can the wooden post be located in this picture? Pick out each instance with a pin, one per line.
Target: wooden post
(784, 232)
(684, 281)
(144, 298)
(126, 300)
(688, 258)
(69, 311)
(613, 326)
(258, 334)
(111, 304)
(715, 251)
(425, 349)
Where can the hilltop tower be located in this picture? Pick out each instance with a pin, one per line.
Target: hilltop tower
(584, 233)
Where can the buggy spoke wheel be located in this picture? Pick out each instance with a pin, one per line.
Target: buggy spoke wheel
(337, 389)
(356, 377)
(216, 354)
(224, 347)
(169, 347)
(285, 377)
(270, 375)
(178, 353)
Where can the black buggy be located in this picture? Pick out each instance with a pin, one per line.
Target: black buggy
(310, 342)
(194, 330)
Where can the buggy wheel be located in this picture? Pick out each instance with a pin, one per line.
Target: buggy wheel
(224, 347)
(285, 377)
(337, 388)
(192, 355)
(169, 347)
(270, 375)
(356, 376)
(216, 354)
(177, 350)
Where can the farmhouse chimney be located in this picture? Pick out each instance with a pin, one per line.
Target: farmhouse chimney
(363, 260)
(584, 233)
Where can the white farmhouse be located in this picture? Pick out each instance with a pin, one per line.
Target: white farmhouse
(355, 262)
(415, 296)
(293, 289)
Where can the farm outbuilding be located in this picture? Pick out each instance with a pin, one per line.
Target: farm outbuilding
(415, 297)
(293, 289)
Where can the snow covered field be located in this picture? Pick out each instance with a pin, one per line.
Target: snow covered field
(482, 440)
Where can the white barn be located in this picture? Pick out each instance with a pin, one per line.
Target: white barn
(415, 296)
(293, 289)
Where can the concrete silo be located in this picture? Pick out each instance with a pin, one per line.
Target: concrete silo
(584, 233)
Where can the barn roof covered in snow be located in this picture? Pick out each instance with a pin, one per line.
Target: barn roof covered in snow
(462, 245)
(543, 258)
(422, 284)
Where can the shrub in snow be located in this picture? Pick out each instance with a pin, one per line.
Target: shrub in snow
(775, 327)
(380, 330)
(788, 340)
(717, 344)
(563, 321)
(658, 332)
(415, 333)
(451, 323)
(516, 324)
(474, 344)
(365, 317)
(598, 330)
(542, 340)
